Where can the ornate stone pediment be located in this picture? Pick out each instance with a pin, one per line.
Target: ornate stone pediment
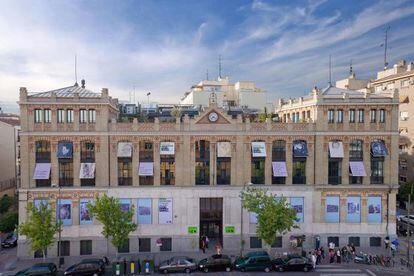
(213, 115)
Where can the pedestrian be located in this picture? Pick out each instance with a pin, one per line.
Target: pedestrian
(338, 256)
(322, 252)
(393, 249)
(207, 241)
(349, 252)
(318, 256)
(396, 243)
(203, 245)
(332, 245)
(353, 250)
(387, 242)
(344, 255)
(313, 260)
(331, 256)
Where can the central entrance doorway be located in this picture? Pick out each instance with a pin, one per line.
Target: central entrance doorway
(211, 220)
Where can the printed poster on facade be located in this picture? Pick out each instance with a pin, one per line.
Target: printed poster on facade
(378, 149)
(125, 204)
(65, 150)
(87, 171)
(332, 209)
(374, 209)
(279, 169)
(146, 169)
(223, 149)
(297, 203)
(144, 211)
(258, 149)
(336, 149)
(64, 211)
(353, 205)
(38, 202)
(85, 216)
(165, 211)
(300, 148)
(167, 148)
(124, 149)
(42, 171)
(357, 168)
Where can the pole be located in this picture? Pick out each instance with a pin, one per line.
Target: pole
(409, 224)
(241, 223)
(60, 227)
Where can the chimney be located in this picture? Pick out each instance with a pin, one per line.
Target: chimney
(83, 83)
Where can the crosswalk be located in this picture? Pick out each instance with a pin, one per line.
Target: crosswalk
(334, 270)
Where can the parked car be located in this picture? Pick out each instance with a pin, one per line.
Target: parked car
(254, 261)
(178, 264)
(43, 269)
(218, 262)
(91, 267)
(10, 241)
(292, 263)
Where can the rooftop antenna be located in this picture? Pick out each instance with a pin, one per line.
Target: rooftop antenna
(219, 68)
(330, 70)
(76, 73)
(385, 44)
(134, 94)
(350, 68)
(207, 74)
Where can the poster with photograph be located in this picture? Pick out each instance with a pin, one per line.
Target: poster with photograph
(65, 150)
(253, 217)
(165, 211)
(258, 149)
(124, 149)
(64, 211)
(279, 169)
(353, 209)
(84, 214)
(38, 202)
(336, 149)
(125, 204)
(357, 168)
(297, 203)
(42, 171)
(378, 149)
(332, 209)
(144, 211)
(374, 209)
(300, 148)
(87, 171)
(167, 148)
(146, 169)
(223, 149)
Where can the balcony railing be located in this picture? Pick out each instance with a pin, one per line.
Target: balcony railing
(88, 182)
(202, 180)
(377, 180)
(124, 181)
(167, 181)
(146, 180)
(355, 180)
(334, 179)
(66, 182)
(278, 180)
(299, 180)
(258, 179)
(223, 180)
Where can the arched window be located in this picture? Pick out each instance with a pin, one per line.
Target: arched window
(146, 163)
(42, 151)
(378, 152)
(223, 164)
(258, 162)
(202, 162)
(43, 166)
(124, 164)
(356, 157)
(300, 152)
(279, 171)
(87, 171)
(65, 159)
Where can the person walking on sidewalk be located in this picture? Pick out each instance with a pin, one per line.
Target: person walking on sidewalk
(331, 256)
(323, 253)
(207, 241)
(203, 245)
(313, 257)
(387, 242)
(338, 256)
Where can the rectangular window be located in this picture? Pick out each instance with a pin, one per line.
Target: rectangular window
(64, 248)
(375, 241)
(223, 170)
(124, 248)
(167, 171)
(334, 240)
(339, 116)
(299, 171)
(38, 115)
(255, 242)
(277, 243)
(258, 170)
(354, 240)
(361, 114)
(60, 116)
(125, 171)
(69, 116)
(166, 244)
(373, 115)
(202, 172)
(377, 170)
(352, 115)
(334, 171)
(83, 116)
(65, 172)
(382, 116)
(144, 245)
(48, 115)
(331, 117)
(92, 115)
(86, 247)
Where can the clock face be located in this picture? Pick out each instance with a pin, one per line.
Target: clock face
(213, 116)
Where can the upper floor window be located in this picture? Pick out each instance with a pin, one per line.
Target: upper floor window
(382, 116)
(339, 116)
(60, 116)
(42, 151)
(38, 115)
(69, 115)
(378, 88)
(373, 115)
(352, 115)
(361, 113)
(48, 115)
(279, 150)
(92, 115)
(356, 152)
(331, 113)
(83, 116)
(87, 152)
(405, 83)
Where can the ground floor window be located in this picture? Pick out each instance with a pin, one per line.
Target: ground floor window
(335, 240)
(166, 244)
(255, 242)
(124, 248)
(354, 240)
(86, 247)
(375, 241)
(145, 245)
(64, 248)
(277, 243)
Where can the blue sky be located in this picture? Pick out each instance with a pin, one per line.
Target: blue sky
(166, 46)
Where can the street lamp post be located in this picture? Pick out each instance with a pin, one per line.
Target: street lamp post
(60, 224)
(409, 224)
(241, 219)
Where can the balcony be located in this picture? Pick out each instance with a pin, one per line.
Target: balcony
(124, 181)
(202, 180)
(334, 180)
(146, 180)
(66, 182)
(43, 157)
(278, 180)
(355, 179)
(223, 180)
(167, 181)
(299, 180)
(377, 180)
(258, 180)
(88, 182)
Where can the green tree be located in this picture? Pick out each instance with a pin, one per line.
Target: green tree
(404, 191)
(8, 221)
(5, 203)
(273, 214)
(117, 223)
(40, 227)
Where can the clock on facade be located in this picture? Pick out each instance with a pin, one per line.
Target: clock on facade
(213, 117)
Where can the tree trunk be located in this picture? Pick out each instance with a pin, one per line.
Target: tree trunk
(44, 255)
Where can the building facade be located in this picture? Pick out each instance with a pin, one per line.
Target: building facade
(334, 156)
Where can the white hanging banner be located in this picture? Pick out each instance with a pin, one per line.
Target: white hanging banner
(165, 214)
(146, 169)
(357, 168)
(336, 149)
(167, 148)
(42, 171)
(223, 149)
(87, 171)
(279, 168)
(124, 149)
(258, 149)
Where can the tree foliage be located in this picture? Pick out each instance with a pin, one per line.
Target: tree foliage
(8, 221)
(405, 190)
(273, 214)
(40, 226)
(5, 203)
(117, 223)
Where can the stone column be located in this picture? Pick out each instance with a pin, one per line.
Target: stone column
(113, 162)
(364, 211)
(55, 163)
(135, 163)
(192, 167)
(289, 165)
(367, 163)
(76, 163)
(27, 169)
(247, 163)
(268, 164)
(310, 166)
(157, 164)
(342, 209)
(102, 158)
(213, 163)
(75, 211)
(345, 164)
